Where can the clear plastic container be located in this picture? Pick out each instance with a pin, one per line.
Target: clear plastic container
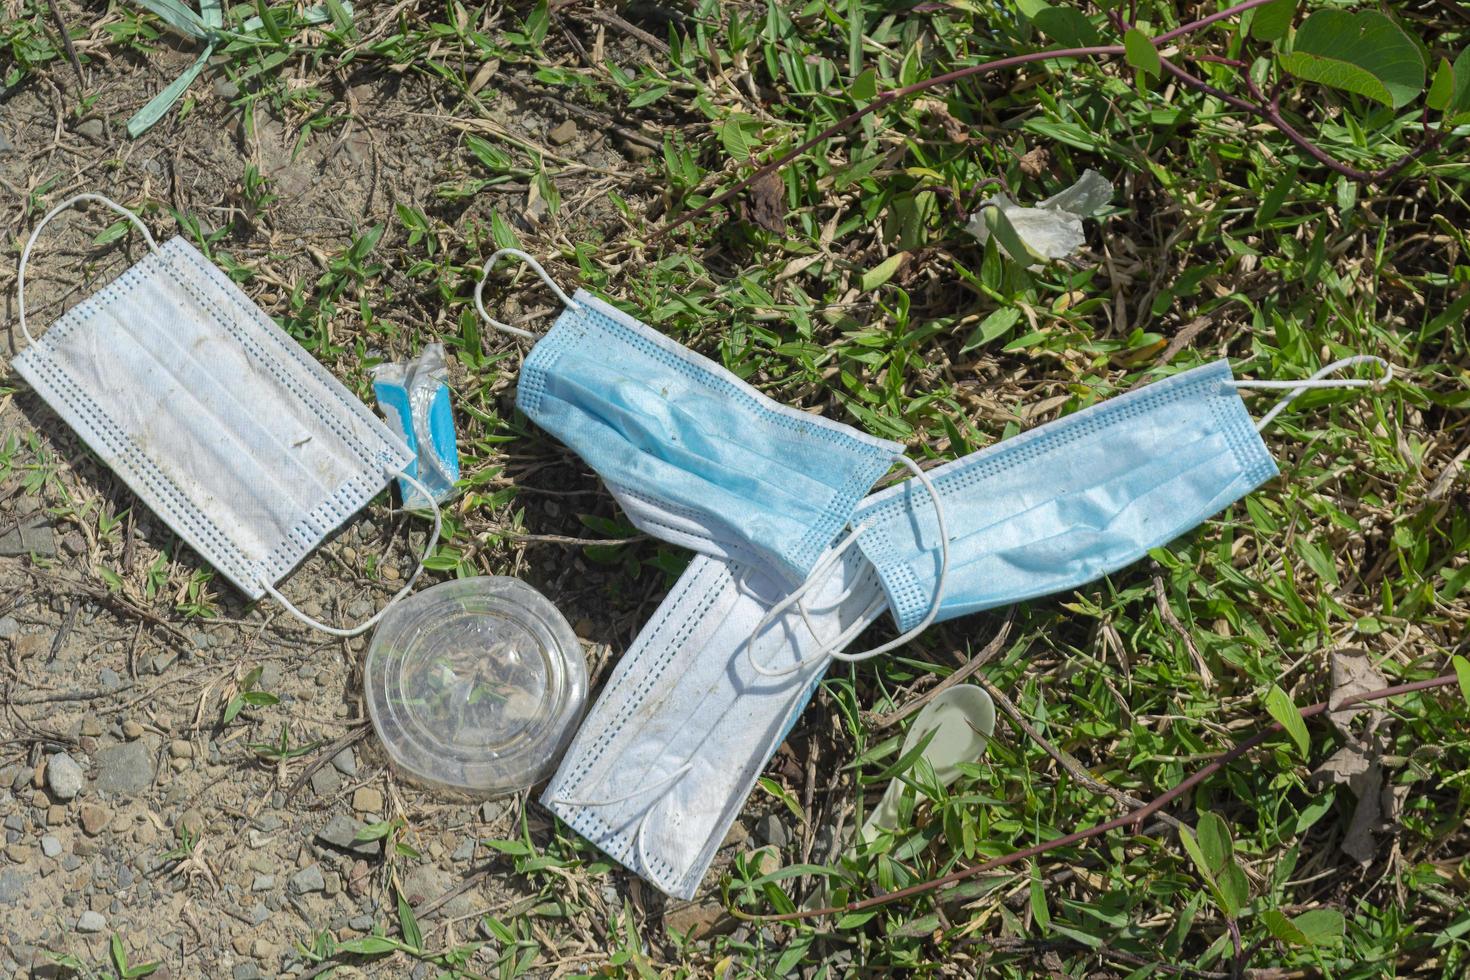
(476, 685)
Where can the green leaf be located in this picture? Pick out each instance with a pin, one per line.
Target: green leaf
(1364, 53)
(740, 135)
(145, 117)
(1321, 927)
(178, 16)
(409, 925)
(1442, 89)
(864, 87)
(1462, 673)
(997, 324)
(1460, 101)
(1197, 855)
(1283, 928)
(1214, 841)
(370, 946)
(1235, 891)
(883, 271)
(1039, 911)
(1068, 26)
(1279, 703)
(268, 21)
(1141, 53)
(1273, 20)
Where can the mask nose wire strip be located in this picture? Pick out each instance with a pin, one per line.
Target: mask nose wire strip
(662, 784)
(370, 623)
(529, 260)
(1296, 388)
(833, 648)
(25, 253)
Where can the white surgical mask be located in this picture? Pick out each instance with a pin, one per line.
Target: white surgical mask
(223, 425)
(663, 763)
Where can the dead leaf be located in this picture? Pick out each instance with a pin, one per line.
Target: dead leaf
(1035, 162)
(1358, 843)
(766, 203)
(1353, 675)
(1343, 766)
(937, 111)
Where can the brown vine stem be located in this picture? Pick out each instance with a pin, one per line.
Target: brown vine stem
(1094, 51)
(1134, 818)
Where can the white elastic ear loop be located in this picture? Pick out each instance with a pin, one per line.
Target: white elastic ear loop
(25, 253)
(370, 623)
(1315, 382)
(485, 274)
(664, 783)
(833, 648)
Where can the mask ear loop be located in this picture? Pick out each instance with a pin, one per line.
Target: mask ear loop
(1296, 388)
(485, 274)
(25, 253)
(370, 623)
(833, 648)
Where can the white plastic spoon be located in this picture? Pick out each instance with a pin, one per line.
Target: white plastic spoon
(962, 719)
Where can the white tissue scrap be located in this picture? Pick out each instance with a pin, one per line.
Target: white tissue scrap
(1052, 229)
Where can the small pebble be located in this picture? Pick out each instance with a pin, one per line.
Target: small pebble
(50, 846)
(94, 819)
(345, 762)
(263, 883)
(308, 879)
(181, 749)
(91, 921)
(367, 800)
(64, 776)
(131, 729)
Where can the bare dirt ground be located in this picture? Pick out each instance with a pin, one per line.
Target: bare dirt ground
(204, 852)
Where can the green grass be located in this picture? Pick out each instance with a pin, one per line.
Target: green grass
(1222, 228)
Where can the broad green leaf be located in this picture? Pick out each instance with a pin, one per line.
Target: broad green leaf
(1214, 841)
(997, 324)
(1363, 53)
(1321, 927)
(408, 924)
(1068, 26)
(1197, 855)
(1442, 89)
(883, 271)
(1283, 928)
(1462, 673)
(740, 136)
(1273, 20)
(1235, 891)
(145, 117)
(1279, 703)
(1460, 101)
(1141, 53)
(864, 87)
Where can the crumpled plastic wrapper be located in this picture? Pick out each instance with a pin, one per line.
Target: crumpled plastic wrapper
(1052, 229)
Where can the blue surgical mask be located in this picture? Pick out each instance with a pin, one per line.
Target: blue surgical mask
(1066, 503)
(694, 455)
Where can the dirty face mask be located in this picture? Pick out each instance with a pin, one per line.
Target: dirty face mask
(666, 758)
(212, 415)
(694, 455)
(663, 763)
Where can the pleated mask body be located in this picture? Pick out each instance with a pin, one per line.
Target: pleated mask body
(694, 455)
(1068, 502)
(220, 422)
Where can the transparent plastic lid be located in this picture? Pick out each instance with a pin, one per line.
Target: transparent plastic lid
(476, 685)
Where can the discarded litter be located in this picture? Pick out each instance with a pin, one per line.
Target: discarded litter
(413, 396)
(1052, 229)
(213, 415)
(961, 718)
(475, 685)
